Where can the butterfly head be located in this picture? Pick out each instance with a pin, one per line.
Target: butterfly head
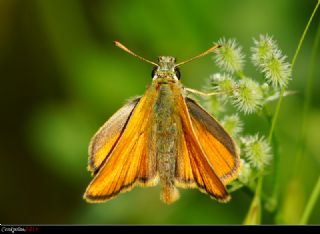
(166, 68)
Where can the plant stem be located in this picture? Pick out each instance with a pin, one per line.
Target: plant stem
(311, 203)
(275, 117)
(308, 92)
(254, 214)
(307, 100)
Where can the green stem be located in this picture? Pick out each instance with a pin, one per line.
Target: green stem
(311, 203)
(254, 214)
(273, 200)
(271, 203)
(275, 117)
(307, 100)
(304, 34)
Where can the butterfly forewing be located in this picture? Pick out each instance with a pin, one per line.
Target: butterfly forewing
(129, 162)
(107, 136)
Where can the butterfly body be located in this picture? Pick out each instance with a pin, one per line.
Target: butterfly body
(163, 137)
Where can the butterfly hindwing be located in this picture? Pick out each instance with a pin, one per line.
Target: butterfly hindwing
(193, 167)
(218, 146)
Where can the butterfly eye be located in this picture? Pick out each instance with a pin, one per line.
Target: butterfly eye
(153, 73)
(177, 71)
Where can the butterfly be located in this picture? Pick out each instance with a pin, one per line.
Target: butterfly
(163, 136)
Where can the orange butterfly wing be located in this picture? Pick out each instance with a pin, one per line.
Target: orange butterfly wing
(129, 161)
(107, 136)
(218, 146)
(193, 167)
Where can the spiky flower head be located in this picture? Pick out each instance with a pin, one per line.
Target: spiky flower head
(263, 49)
(222, 84)
(232, 124)
(229, 57)
(257, 151)
(265, 88)
(247, 96)
(213, 105)
(245, 172)
(277, 71)
(269, 60)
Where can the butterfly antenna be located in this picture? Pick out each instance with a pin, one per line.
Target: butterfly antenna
(216, 46)
(118, 44)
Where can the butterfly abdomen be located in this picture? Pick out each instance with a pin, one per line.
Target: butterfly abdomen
(166, 135)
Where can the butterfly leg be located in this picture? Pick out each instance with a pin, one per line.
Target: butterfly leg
(203, 93)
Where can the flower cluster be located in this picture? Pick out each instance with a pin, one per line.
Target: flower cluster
(268, 58)
(248, 96)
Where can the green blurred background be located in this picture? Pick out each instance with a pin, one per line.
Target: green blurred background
(62, 77)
